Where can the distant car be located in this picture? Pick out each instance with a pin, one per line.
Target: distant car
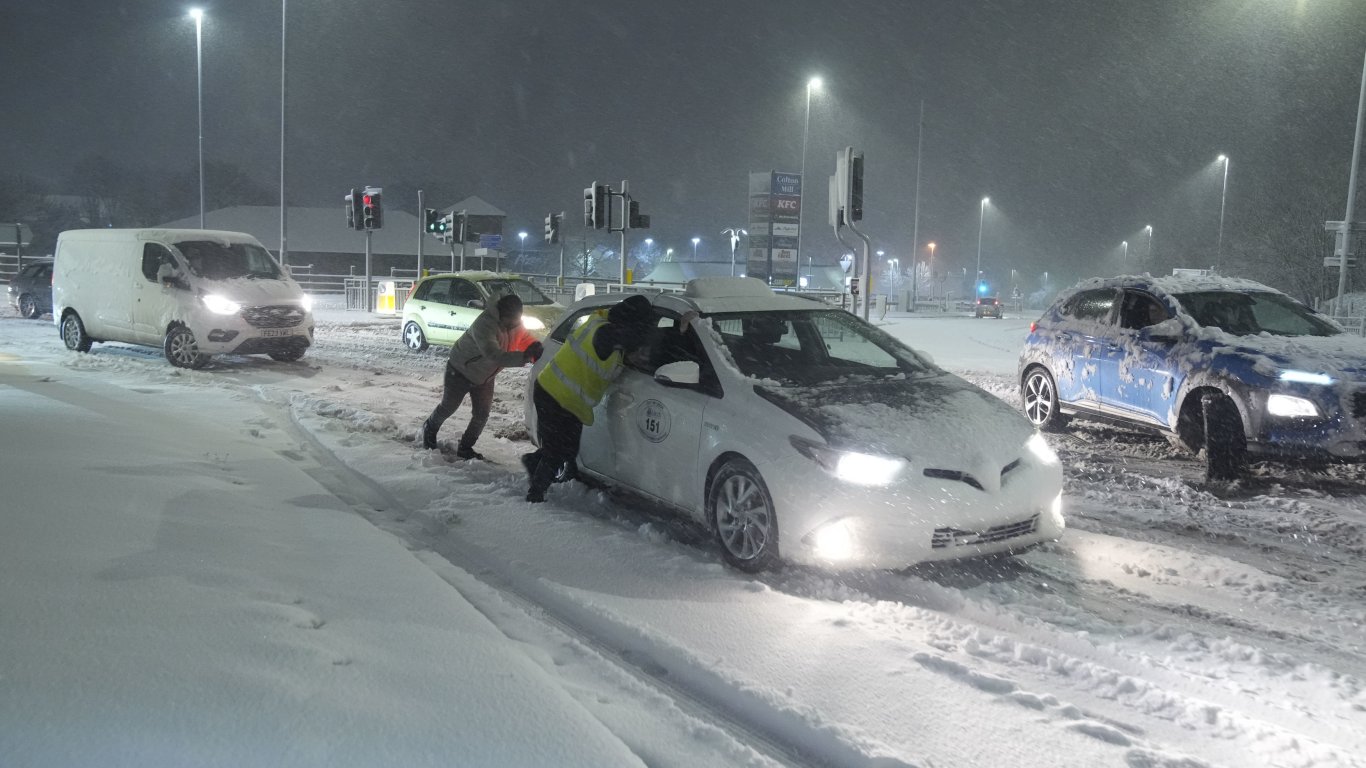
(441, 307)
(798, 432)
(989, 306)
(30, 291)
(1269, 376)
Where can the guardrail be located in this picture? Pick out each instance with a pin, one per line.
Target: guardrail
(1355, 325)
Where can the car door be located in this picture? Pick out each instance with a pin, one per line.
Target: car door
(655, 429)
(467, 301)
(1138, 379)
(433, 305)
(1078, 341)
(150, 296)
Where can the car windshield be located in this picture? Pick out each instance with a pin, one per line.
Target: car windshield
(221, 261)
(1254, 312)
(523, 289)
(813, 347)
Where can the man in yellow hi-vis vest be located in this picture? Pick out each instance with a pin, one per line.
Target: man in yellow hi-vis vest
(571, 385)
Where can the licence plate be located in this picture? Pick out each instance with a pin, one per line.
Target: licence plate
(277, 332)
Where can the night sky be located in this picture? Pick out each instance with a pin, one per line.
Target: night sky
(1083, 121)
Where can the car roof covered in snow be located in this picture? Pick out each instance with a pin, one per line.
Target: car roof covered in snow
(718, 295)
(1172, 284)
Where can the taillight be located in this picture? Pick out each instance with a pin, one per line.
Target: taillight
(411, 289)
(1033, 327)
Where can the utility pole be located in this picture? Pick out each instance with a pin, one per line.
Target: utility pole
(421, 231)
(915, 226)
(1351, 199)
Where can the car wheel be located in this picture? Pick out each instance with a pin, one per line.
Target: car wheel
(1225, 442)
(28, 307)
(742, 516)
(1040, 396)
(182, 350)
(413, 337)
(288, 355)
(73, 333)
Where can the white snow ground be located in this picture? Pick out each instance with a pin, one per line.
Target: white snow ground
(255, 564)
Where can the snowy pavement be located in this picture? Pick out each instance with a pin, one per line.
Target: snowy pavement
(1174, 624)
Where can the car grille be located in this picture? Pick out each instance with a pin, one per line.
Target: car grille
(944, 538)
(283, 316)
(953, 474)
(1359, 405)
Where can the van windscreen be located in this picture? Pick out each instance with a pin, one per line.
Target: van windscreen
(222, 261)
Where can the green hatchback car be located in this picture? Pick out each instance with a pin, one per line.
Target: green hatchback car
(441, 307)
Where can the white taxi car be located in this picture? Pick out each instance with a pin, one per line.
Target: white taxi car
(798, 432)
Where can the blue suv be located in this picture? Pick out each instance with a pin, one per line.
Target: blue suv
(1226, 365)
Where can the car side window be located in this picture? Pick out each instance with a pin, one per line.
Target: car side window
(571, 324)
(463, 292)
(1140, 311)
(438, 292)
(153, 256)
(1092, 306)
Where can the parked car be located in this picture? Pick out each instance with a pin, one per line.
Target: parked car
(989, 306)
(193, 293)
(1271, 377)
(30, 291)
(440, 308)
(798, 432)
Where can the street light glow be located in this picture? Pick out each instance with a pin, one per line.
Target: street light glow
(1223, 158)
(696, 240)
(986, 200)
(197, 13)
(814, 84)
(649, 241)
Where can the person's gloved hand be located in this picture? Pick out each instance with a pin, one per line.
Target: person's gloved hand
(534, 351)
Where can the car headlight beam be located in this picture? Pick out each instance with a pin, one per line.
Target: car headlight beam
(1291, 406)
(852, 466)
(220, 305)
(833, 541)
(306, 301)
(532, 323)
(1041, 450)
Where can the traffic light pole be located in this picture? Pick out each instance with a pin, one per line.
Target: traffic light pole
(421, 232)
(625, 224)
(463, 234)
(369, 284)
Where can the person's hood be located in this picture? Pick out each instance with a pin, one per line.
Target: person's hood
(937, 422)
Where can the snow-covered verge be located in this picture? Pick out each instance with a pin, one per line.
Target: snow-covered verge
(1173, 625)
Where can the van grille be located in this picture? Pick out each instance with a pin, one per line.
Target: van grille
(283, 316)
(944, 538)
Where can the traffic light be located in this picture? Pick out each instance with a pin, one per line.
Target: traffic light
(372, 210)
(432, 218)
(552, 228)
(635, 220)
(353, 210)
(595, 215)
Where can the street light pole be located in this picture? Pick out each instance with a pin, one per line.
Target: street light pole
(198, 15)
(981, 219)
(284, 249)
(735, 233)
(1351, 199)
(1223, 198)
(931, 271)
(815, 83)
(697, 240)
(1149, 230)
(1126, 253)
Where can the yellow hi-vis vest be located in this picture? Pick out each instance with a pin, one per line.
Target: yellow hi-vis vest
(576, 377)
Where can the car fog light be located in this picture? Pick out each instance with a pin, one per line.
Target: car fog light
(1289, 405)
(1055, 511)
(833, 541)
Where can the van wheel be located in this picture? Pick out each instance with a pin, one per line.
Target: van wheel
(413, 337)
(288, 355)
(181, 349)
(73, 333)
(28, 307)
(742, 516)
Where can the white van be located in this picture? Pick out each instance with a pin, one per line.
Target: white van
(192, 292)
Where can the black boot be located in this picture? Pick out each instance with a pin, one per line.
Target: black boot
(429, 435)
(541, 479)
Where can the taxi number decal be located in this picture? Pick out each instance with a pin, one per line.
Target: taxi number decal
(653, 420)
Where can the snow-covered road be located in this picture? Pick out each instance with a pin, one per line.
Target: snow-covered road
(1174, 624)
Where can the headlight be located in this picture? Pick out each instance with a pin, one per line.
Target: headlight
(1055, 511)
(1305, 377)
(221, 306)
(1038, 446)
(532, 324)
(833, 541)
(306, 302)
(851, 466)
(1289, 405)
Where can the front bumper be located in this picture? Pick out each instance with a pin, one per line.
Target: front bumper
(252, 331)
(1339, 435)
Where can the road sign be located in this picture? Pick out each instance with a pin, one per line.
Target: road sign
(1336, 261)
(490, 241)
(1336, 226)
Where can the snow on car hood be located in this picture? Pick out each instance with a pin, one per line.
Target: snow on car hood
(253, 290)
(1341, 356)
(940, 422)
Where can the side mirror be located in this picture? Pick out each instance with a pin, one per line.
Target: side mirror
(475, 303)
(684, 373)
(1169, 331)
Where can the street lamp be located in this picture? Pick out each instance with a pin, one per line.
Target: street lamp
(735, 233)
(521, 246)
(931, 271)
(1149, 230)
(814, 84)
(668, 254)
(1223, 198)
(695, 241)
(198, 15)
(981, 219)
(1125, 243)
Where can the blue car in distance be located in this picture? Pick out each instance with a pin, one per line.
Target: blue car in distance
(1224, 365)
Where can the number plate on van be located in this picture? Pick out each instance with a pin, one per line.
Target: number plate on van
(277, 332)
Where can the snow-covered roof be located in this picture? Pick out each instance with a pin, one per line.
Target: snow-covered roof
(317, 230)
(1184, 283)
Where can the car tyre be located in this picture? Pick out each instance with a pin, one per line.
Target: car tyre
(1039, 395)
(413, 337)
(1225, 442)
(743, 518)
(28, 307)
(182, 350)
(289, 355)
(73, 333)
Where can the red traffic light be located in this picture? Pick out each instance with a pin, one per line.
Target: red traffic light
(367, 200)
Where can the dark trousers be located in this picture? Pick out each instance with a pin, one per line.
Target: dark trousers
(559, 431)
(481, 402)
